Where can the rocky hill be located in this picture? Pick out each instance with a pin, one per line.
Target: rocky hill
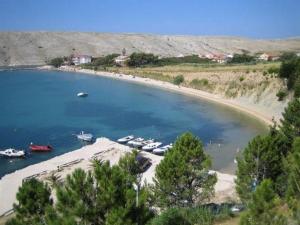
(34, 48)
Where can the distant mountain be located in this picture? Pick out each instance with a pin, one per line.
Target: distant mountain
(34, 48)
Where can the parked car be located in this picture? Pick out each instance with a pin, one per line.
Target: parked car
(143, 162)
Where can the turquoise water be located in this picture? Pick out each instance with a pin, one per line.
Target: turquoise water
(42, 107)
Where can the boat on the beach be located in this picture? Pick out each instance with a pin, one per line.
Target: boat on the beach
(162, 150)
(151, 146)
(40, 148)
(11, 152)
(138, 142)
(82, 94)
(85, 136)
(125, 139)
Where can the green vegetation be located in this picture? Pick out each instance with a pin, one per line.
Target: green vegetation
(263, 207)
(104, 196)
(242, 58)
(142, 59)
(290, 70)
(182, 173)
(101, 62)
(180, 60)
(273, 70)
(202, 84)
(178, 79)
(56, 62)
(281, 94)
(265, 167)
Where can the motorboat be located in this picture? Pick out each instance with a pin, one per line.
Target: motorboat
(11, 152)
(138, 142)
(143, 143)
(82, 94)
(85, 136)
(162, 150)
(125, 139)
(40, 148)
(151, 146)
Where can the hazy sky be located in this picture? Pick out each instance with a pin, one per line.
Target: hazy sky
(250, 18)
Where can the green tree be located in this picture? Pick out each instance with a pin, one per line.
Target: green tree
(261, 159)
(56, 62)
(263, 207)
(297, 88)
(290, 69)
(293, 168)
(242, 58)
(142, 59)
(290, 123)
(182, 178)
(172, 216)
(178, 79)
(33, 199)
(104, 196)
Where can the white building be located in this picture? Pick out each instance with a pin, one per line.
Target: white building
(81, 59)
(121, 60)
(264, 57)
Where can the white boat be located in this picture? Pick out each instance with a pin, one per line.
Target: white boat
(125, 139)
(138, 142)
(10, 152)
(151, 146)
(162, 150)
(82, 94)
(85, 136)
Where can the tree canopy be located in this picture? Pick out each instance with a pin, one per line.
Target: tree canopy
(182, 178)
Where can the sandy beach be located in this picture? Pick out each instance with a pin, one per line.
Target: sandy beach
(103, 149)
(254, 111)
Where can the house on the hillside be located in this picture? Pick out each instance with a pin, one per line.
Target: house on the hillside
(81, 59)
(121, 60)
(219, 58)
(264, 57)
(180, 56)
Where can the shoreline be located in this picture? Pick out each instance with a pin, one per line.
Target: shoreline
(263, 117)
(103, 149)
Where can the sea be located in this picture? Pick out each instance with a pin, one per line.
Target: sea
(42, 107)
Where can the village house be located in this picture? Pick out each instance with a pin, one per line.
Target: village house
(121, 60)
(81, 59)
(264, 57)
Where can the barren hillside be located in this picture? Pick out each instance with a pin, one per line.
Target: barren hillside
(34, 48)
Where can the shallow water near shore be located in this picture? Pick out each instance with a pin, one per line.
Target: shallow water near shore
(42, 107)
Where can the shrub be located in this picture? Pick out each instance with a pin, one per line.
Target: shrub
(142, 59)
(241, 78)
(56, 62)
(178, 79)
(281, 94)
(273, 70)
(242, 58)
(297, 88)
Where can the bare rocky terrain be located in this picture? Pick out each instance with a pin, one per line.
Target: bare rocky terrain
(34, 48)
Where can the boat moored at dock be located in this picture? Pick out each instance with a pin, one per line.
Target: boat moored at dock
(162, 150)
(149, 147)
(85, 136)
(124, 140)
(11, 152)
(138, 142)
(40, 148)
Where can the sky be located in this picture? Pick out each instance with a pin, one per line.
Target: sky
(261, 19)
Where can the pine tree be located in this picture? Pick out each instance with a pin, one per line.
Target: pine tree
(182, 178)
(261, 159)
(33, 199)
(263, 207)
(293, 168)
(291, 122)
